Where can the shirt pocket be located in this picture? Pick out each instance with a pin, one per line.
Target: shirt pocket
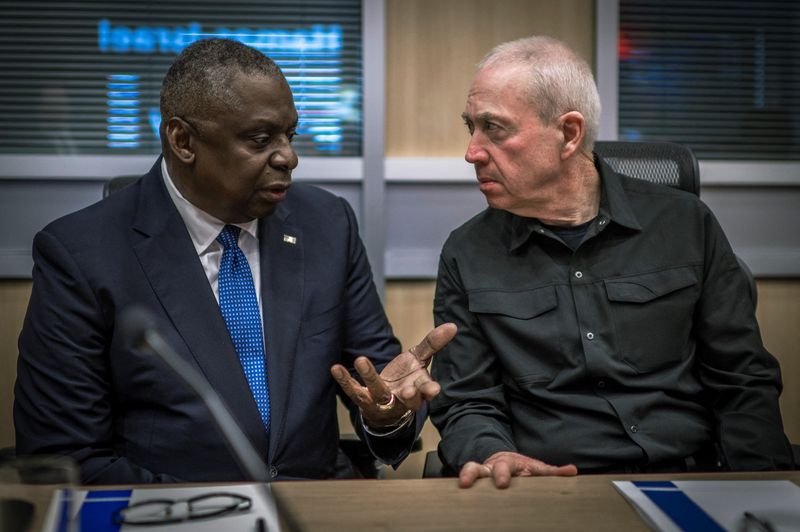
(653, 316)
(522, 329)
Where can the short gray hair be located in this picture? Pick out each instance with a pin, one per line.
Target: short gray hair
(198, 82)
(560, 80)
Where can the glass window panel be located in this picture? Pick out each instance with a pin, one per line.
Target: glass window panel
(83, 77)
(722, 76)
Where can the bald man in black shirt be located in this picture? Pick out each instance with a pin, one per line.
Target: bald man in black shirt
(604, 322)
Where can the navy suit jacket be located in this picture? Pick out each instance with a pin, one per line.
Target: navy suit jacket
(121, 413)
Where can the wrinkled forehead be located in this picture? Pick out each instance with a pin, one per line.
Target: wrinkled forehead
(247, 90)
(503, 87)
(510, 78)
(258, 99)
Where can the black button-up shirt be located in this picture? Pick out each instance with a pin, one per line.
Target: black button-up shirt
(638, 347)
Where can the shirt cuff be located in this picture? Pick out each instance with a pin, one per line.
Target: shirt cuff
(390, 430)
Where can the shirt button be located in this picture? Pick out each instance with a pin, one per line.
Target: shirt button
(634, 428)
(540, 230)
(578, 274)
(273, 471)
(590, 335)
(603, 221)
(601, 384)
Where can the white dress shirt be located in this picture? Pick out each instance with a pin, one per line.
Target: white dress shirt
(204, 229)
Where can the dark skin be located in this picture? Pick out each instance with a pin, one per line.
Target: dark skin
(406, 376)
(236, 163)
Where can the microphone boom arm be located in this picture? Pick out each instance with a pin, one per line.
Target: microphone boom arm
(249, 461)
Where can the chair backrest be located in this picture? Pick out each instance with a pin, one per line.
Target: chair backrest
(117, 183)
(666, 163)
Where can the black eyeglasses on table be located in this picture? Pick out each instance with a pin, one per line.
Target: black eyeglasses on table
(166, 511)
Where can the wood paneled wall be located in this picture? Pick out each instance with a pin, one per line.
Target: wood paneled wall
(433, 47)
(778, 314)
(14, 297)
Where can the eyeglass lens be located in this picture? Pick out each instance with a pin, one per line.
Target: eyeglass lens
(160, 511)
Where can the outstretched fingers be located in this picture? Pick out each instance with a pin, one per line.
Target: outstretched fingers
(505, 465)
(433, 342)
(378, 390)
(422, 388)
(351, 387)
(471, 472)
(501, 472)
(569, 470)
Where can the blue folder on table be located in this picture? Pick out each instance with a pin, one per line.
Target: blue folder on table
(715, 505)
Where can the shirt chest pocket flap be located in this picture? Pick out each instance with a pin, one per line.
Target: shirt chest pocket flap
(523, 328)
(519, 304)
(647, 287)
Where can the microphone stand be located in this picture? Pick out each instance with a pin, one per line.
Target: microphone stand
(249, 461)
(140, 326)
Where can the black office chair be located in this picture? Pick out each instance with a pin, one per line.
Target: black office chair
(8, 454)
(666, 163)
(434, 467)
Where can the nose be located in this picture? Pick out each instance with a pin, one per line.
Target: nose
(476, 153)
(284, 158)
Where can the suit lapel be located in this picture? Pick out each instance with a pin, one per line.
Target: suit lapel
(169, 260)
(281, 244)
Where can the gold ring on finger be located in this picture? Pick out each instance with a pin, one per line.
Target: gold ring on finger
(388, 405)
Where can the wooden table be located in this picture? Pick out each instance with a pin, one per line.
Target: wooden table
(587, 502)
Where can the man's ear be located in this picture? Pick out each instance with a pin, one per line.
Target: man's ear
(179, 136)
(573, 128)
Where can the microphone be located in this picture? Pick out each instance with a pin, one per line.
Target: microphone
(140, 330)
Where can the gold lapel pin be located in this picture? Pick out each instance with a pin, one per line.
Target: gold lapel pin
(290, 239)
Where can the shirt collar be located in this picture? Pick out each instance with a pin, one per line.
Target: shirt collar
(614, 207)
(614, 204)
(203, 228)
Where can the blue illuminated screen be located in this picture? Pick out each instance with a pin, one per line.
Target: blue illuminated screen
(85, 78)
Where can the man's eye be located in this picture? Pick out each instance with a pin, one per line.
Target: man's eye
(265, 139)
(491, 127)
(470, 126)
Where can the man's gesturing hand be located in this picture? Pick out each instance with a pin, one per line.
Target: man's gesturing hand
(504, 465)
(404, 384)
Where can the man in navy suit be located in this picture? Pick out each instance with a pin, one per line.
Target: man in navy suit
(228, 119)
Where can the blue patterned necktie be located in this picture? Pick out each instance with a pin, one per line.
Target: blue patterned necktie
(239, 306)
